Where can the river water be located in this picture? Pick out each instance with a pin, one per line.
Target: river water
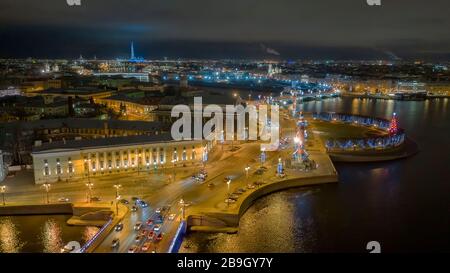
(402, 204)
(40, 233)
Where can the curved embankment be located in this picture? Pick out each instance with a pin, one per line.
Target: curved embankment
(409, 148)
(228, 222)
(84, 215)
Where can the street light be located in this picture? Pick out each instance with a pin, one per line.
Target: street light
(118, 187)
(117, 205)
(228, 191)
(246, 171)
(173, 162)
(183, 208)
(263, 156)
(47, 189)
(222, 139)
(89, 186)
(3, 190)
(139, 163)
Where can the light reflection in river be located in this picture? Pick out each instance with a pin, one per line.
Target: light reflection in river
(9, 236)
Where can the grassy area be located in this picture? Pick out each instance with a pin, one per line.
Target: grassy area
(327, 130)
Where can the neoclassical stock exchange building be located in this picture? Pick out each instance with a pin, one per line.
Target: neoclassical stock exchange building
(84, 158)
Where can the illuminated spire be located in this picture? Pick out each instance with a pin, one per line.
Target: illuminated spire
(132, 51)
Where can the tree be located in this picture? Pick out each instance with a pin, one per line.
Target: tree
(393, 126)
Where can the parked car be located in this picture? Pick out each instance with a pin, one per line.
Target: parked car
(138, 238)
(230, 201)
(124, 201)
(63, 199)
(95, 198)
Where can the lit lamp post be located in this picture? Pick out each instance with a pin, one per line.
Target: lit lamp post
(117, 205)
(263, 156)
(173, 166)
(222, 139)
(246, 171)
(183, 208)
(139, 163)
(3, 190)
(89, 186)
(228, 191)
(47, 189)
(297, 145)
(118, 187)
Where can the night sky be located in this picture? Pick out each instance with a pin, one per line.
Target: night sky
(278, 29)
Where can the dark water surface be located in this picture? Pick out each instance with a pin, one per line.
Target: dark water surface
(40, 233)
(403, 204)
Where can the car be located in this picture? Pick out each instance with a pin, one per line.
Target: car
(134, 198)
(124, 201)
(226, 179)
(230, 201)
(157, 227)
(143, 232)
(171, 217)
(95, 198)
(158, 210)
(146, 246)
(133, 249)
(241, 190)
(150, 235)
(141, 203)
(138, 226)
(138, 238)
(210, 185)
(159, 219)
(115, 243)
(250, 186)
(233, 196)
(63, 199)
(149, 222)
(133, 208)
(118, 227)
(282, 175)
(159, 237)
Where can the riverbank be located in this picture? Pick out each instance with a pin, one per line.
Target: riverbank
(408, 149)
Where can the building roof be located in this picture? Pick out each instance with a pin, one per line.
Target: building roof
(78, 91)
(79, 123)
(86, 144)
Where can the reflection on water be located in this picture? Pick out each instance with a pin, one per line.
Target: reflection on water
(40, 233)
(9, 236)
(403, 204)
(51, 236)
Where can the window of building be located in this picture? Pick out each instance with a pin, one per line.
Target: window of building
(46, 168)
(58, 167)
